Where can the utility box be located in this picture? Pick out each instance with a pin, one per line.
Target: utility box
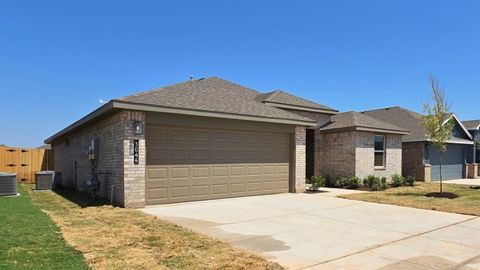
(8, 184)
(44, 180)
(93, 149)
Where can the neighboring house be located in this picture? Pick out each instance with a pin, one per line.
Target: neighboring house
(211, 138)
(420, 158)
(473, 127)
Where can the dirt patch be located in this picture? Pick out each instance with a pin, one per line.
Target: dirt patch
(117, 238)
(447, 195)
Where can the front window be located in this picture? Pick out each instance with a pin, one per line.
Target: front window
(379, 151)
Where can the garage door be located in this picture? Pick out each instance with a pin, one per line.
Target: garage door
(189, 164)
(453, 162)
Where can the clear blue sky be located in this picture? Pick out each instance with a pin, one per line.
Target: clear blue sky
(58, 58)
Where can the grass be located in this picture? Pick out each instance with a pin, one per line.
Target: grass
(465, 199)
(117, 238)
(30, 239)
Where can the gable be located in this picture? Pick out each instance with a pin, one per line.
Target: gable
(459, 131)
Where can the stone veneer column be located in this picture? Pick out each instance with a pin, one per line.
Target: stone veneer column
(134, 174)
(300, 166)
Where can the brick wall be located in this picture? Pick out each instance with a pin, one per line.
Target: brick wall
(413, 161)
(114, 135)
(364, 155)
(300, 164)
(335, 154)
(350, 153)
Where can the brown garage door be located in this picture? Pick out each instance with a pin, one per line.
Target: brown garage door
(189, 164)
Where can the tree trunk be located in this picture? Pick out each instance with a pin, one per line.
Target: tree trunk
(441, 177)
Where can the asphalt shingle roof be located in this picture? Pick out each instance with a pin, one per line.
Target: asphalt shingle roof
(358, 120)
(214, 95)
(282, 97)
(471, 124)
(406, 119)
(403, 118)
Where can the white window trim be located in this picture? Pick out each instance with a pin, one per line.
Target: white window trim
(384, 151)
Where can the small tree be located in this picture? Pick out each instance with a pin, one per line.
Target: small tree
(437, 122)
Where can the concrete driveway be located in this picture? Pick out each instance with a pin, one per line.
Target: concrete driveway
(319, 231)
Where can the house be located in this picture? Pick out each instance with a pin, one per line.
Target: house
(420, 158)
(211, 138)
(473, 127)
(354, 144)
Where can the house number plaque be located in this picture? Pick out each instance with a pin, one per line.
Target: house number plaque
(136, 152)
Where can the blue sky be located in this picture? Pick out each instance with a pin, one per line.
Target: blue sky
(58, 58)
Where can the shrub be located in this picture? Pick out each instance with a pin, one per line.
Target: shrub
(341, 182)
(351, 182)
(368, 181)
(375, 183)
(329, 182)
(384, 183)
(410, 180)
(398, 180)
(316, 182)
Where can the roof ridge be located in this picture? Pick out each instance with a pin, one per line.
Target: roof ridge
(153, 90)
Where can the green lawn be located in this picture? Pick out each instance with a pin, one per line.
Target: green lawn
(30, 240)
(466, 201)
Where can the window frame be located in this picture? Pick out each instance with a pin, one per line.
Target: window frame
(384, 151)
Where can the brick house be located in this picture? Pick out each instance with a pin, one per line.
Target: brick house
(211, 138)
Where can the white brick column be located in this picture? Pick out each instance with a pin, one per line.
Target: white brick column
(133, 174)
(300, 163)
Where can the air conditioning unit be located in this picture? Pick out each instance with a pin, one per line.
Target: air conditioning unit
(8, 184)
(44, 180)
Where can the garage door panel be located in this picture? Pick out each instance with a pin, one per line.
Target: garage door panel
(282, 184)
(157, 173)
(269, 185)
(201, 172)
(221, 189)
(179, 173)
(219, 171)
(157, 193)
(237, 187)
(200, 136)
(254, 186)
(199, 190)
(196, 164)
(453, 162)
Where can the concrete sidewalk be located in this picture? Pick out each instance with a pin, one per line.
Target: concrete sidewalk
(468, 182)
(319, 231)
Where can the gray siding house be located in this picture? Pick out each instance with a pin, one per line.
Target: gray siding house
(473, 126)
(420, 157)
(211, 138)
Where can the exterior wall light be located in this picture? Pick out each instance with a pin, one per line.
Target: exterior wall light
(138, 128)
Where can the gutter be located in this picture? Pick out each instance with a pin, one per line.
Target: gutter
(381, 130)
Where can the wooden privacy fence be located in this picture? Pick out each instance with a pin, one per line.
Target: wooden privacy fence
(25, 162)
